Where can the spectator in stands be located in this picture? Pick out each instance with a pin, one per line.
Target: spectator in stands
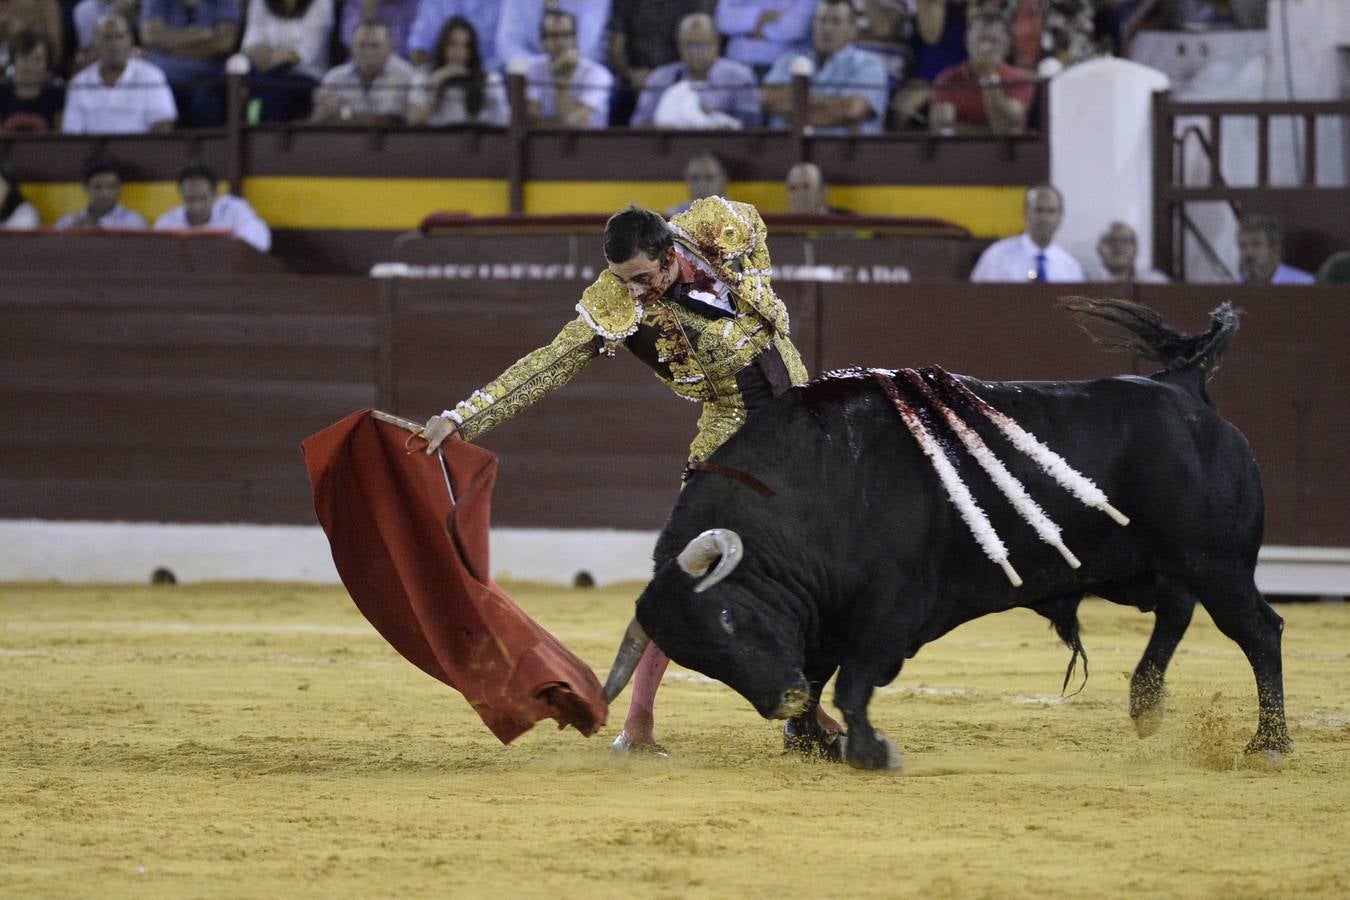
(883, 29)
(204, 207)
(937, 42)
(372, 89)
(287, 43)
(983, 95)
(760, 32)
(85, 18)
(1336, 269)
(42, 17)
(103, 185)
(806, 189)
(520, 28)
(1260, 248)
(565, 88)
(432, 15)
(121, 93)
(1031, 255)
(189, 40)
(848, 86)
(399, 15)
(16, 213)
(705, 176)
(32, 99)
(640, 38)
(723, 90)
(458, 90)
(1067, 34)
(1117, 250)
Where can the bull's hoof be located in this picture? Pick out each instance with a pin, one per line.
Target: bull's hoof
(1272, 746)
(814, 742)
(1147, 721)
(625, 746)
(879, 755)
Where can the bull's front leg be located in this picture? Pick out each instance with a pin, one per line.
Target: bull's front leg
(812, 732)
(866, 748)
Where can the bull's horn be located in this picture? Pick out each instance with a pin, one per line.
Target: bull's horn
(695, 558)
(634, 642)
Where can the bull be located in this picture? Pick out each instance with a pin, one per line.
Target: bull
(832, 546)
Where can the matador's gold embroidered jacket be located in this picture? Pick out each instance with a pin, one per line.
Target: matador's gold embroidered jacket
(698, 356)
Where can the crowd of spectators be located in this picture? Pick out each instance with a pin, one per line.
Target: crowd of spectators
(874, 65)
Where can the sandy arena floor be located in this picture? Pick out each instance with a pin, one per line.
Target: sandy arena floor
(263, 741)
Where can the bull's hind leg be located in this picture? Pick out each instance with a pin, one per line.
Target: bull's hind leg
(1240, 611)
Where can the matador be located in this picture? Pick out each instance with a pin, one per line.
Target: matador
(692, 299)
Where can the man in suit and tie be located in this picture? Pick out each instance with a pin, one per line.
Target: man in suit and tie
(1032, 255)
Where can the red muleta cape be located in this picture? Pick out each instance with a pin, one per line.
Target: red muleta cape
(416, 564)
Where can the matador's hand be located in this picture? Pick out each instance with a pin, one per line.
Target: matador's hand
(437, 429)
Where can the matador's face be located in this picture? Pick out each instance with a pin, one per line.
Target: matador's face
(644, 278)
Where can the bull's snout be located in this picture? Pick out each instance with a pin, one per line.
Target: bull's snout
(794, 701)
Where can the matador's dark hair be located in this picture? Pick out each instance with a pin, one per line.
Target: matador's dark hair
(633, 229)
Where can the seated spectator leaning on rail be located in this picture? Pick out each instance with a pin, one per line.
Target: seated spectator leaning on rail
(32, 99)
(103, 185)
(806, 189)
(1032, 255)
(189, 40)
(937, 41)
(1260, 251)
(983, 94)
(399, 15)
(204, 207)
(432, 16)
(563, 88)
(16, 213)
(372, 89)
(520, 28)
(286, 42)
(693, 300)
(641, 37)
(721, 87)
(848, 85)
(119, 94)
(458, 90)
(705, 176)
(85, 18)
(759, 32)
(1117, 250)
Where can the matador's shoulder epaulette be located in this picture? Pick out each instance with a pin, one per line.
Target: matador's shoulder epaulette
(608, 310)
(721, 230)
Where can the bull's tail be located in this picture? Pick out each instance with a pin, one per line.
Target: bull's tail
(1063, 615)
(1152, 338)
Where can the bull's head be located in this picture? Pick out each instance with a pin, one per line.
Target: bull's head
(719, 626)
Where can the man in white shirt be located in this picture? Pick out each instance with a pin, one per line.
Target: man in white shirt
(372, 89)
(1032, 255)
(203, 207)
(103, 185)
(563, 88)
(119, 94)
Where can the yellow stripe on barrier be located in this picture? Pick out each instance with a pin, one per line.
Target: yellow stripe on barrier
(398, 204)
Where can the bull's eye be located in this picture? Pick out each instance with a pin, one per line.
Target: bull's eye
(725, 619)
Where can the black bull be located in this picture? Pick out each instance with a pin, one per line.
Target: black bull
(857, 558)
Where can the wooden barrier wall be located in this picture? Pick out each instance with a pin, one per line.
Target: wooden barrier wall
(184, 399)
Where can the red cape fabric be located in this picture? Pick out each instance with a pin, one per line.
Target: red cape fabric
(416, 564)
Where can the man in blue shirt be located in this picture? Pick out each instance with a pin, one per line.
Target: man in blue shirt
(724, 86)
(189, 40)
(760, 31)
(848, 85)
(1260, 246)
(518, 29)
